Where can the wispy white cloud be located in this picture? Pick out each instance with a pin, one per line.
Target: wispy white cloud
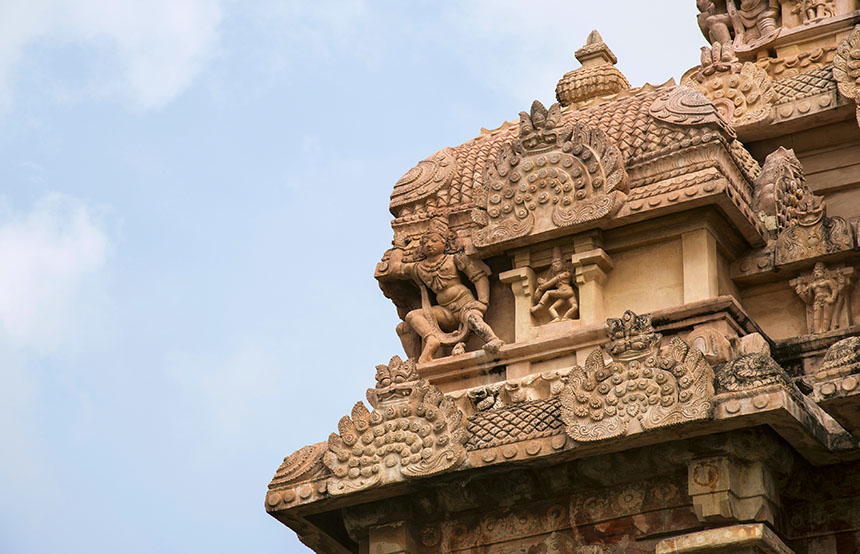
(47, 255)
(153, 49)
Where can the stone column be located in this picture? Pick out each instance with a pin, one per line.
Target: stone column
(699, 252)
(591, 268)
(522, 282)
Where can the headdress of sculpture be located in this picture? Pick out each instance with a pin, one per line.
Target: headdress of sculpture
(552, 175)
(640, 388)
(457, 312)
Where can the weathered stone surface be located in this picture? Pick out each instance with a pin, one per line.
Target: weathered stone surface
(535, 411)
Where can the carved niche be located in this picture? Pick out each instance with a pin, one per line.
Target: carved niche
(741, 92)
(641, 388)
(846, 68)
(414, 430)
(553, 175)
(825, 293)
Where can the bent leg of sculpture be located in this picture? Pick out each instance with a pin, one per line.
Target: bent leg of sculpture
(476, 323)
(409, 339)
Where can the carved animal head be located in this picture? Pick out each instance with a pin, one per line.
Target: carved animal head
(631, 336)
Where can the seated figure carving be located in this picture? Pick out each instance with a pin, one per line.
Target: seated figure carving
(456, 312)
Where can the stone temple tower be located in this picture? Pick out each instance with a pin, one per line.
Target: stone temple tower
(628, 319)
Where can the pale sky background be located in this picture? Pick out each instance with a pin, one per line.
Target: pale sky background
(194, 196)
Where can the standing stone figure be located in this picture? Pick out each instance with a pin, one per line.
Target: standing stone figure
(457, 312)
(823, 294)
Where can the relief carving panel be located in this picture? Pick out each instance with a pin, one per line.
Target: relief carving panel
(552, 175)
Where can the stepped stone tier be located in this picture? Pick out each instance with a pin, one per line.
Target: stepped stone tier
(628, 318)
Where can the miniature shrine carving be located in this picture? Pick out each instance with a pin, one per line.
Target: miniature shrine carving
(641, 388)
(846, 68)
(552, 175)
(414, 430)
(456, 312)
(554, 292)
(825, 293)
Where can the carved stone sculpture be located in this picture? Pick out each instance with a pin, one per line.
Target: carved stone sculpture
(641, 388)
(554, 291)
(414, 430)
(714, 25)
(751, 371)
(755, 19)
(304, 464)
(598, 76)
(842, 358)
(779, 187)
(457, 312)
(749, 21)
(825, 293)
(812, 11)
(741, 92)
(846, 68)
(397, 371)
(553, 175)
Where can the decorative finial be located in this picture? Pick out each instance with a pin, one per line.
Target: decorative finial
(595, 52)
(598, 75)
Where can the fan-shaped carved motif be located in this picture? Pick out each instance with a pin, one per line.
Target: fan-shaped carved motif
(553, 175)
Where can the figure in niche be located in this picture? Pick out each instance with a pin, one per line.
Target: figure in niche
(456, 311)
(814, 10)
(824, 295)
(555, 291)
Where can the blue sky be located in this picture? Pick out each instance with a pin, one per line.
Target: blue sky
(194, 196)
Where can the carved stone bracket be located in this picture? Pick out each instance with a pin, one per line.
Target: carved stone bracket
(724, 489)
(640, 389)
(552, 175)
(414, 430)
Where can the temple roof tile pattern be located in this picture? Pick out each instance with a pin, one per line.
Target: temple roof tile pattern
(630, 123)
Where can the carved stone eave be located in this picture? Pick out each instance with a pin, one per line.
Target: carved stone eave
(801, 423)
